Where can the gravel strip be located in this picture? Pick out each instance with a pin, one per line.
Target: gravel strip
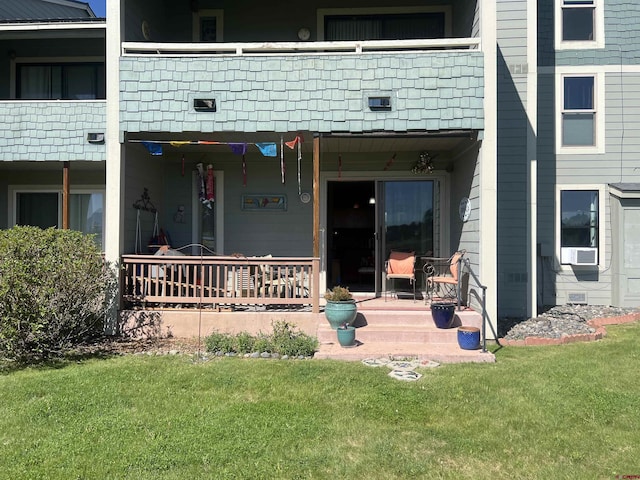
(564, 320)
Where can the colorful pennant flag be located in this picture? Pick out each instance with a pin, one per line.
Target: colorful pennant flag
(238, 148)
(268, 149)
(154, 148)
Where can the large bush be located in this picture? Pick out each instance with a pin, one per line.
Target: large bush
(55, 290)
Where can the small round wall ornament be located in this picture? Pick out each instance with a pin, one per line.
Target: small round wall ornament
(305, 197)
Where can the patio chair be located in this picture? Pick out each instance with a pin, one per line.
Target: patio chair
(444, 275)
(400, 266)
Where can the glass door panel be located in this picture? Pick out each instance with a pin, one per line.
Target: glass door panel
(406, 219)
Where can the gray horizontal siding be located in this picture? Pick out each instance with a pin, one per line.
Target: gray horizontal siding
(622, 37)
(50, 130)
(513, 128)
(318, 93)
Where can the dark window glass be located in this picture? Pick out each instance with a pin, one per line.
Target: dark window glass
(73, 81)
(578, 22)
(384, 27)
(579, 214)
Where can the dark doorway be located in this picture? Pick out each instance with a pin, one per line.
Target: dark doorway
(351, 220)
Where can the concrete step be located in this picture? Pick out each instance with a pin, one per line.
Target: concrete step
(402, 351)
(398, 333)
(403, 333)
(413, 317)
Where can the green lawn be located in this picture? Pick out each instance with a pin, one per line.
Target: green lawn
(569, 411)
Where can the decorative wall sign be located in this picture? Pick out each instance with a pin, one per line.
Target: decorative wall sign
(264, 202)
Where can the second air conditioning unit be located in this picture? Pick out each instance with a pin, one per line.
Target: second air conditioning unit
(579, 255)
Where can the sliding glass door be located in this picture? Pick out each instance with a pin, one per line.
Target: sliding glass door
(406, 220)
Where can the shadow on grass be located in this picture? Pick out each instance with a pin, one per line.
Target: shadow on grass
(135, 332)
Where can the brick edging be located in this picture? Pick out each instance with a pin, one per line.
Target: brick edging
(597, 323)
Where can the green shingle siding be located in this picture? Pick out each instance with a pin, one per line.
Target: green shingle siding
(51, 131)
(322, 93)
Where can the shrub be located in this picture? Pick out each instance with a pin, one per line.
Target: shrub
(244, 342)
(55, 291)
(287, 340)
(219, 342)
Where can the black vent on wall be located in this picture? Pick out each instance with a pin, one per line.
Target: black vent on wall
(204, 104)
(380, 104)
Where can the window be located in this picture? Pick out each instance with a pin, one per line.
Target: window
(578, 20)
(44, 209)
(580, 111)
(384, 27)
(579, 218)
(384, 23)
(580, 212)
(38, 209)
(72, 81)
(579, 24)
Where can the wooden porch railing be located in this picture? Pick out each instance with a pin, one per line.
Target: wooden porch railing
(220, 280)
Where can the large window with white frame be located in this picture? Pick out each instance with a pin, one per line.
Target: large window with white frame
(580, 211)
(579, 24)
(580, 112)
(43, 208)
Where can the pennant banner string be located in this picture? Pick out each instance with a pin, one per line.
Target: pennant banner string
(299, 166)
(282, 165)
(268, 149)
(244, 171)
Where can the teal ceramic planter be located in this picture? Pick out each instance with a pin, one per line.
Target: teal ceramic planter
(339, 313)
(346, 336)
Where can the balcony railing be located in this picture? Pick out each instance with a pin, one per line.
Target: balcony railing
(278, 48)
(220, 281)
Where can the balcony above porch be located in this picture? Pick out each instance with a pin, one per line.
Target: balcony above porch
(369, 86)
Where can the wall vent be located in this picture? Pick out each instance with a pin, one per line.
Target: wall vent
(579, 298)
(94, 137)
(380, 104)
(204, 104)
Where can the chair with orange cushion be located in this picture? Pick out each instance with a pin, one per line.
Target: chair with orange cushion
(401, 265)
(446, 283)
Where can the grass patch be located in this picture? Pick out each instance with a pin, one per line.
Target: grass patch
(570, 411)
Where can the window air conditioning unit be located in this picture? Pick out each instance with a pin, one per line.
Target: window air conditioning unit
(579, 255)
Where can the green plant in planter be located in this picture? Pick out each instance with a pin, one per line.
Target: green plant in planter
(341, 307)
(346, 335)
(338, 294)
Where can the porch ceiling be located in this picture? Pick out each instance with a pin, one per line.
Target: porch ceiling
(335, 143)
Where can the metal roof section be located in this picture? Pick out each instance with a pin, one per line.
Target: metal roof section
(45, 11)
(625, 190)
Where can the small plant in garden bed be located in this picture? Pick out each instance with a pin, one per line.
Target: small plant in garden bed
(285, 339)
